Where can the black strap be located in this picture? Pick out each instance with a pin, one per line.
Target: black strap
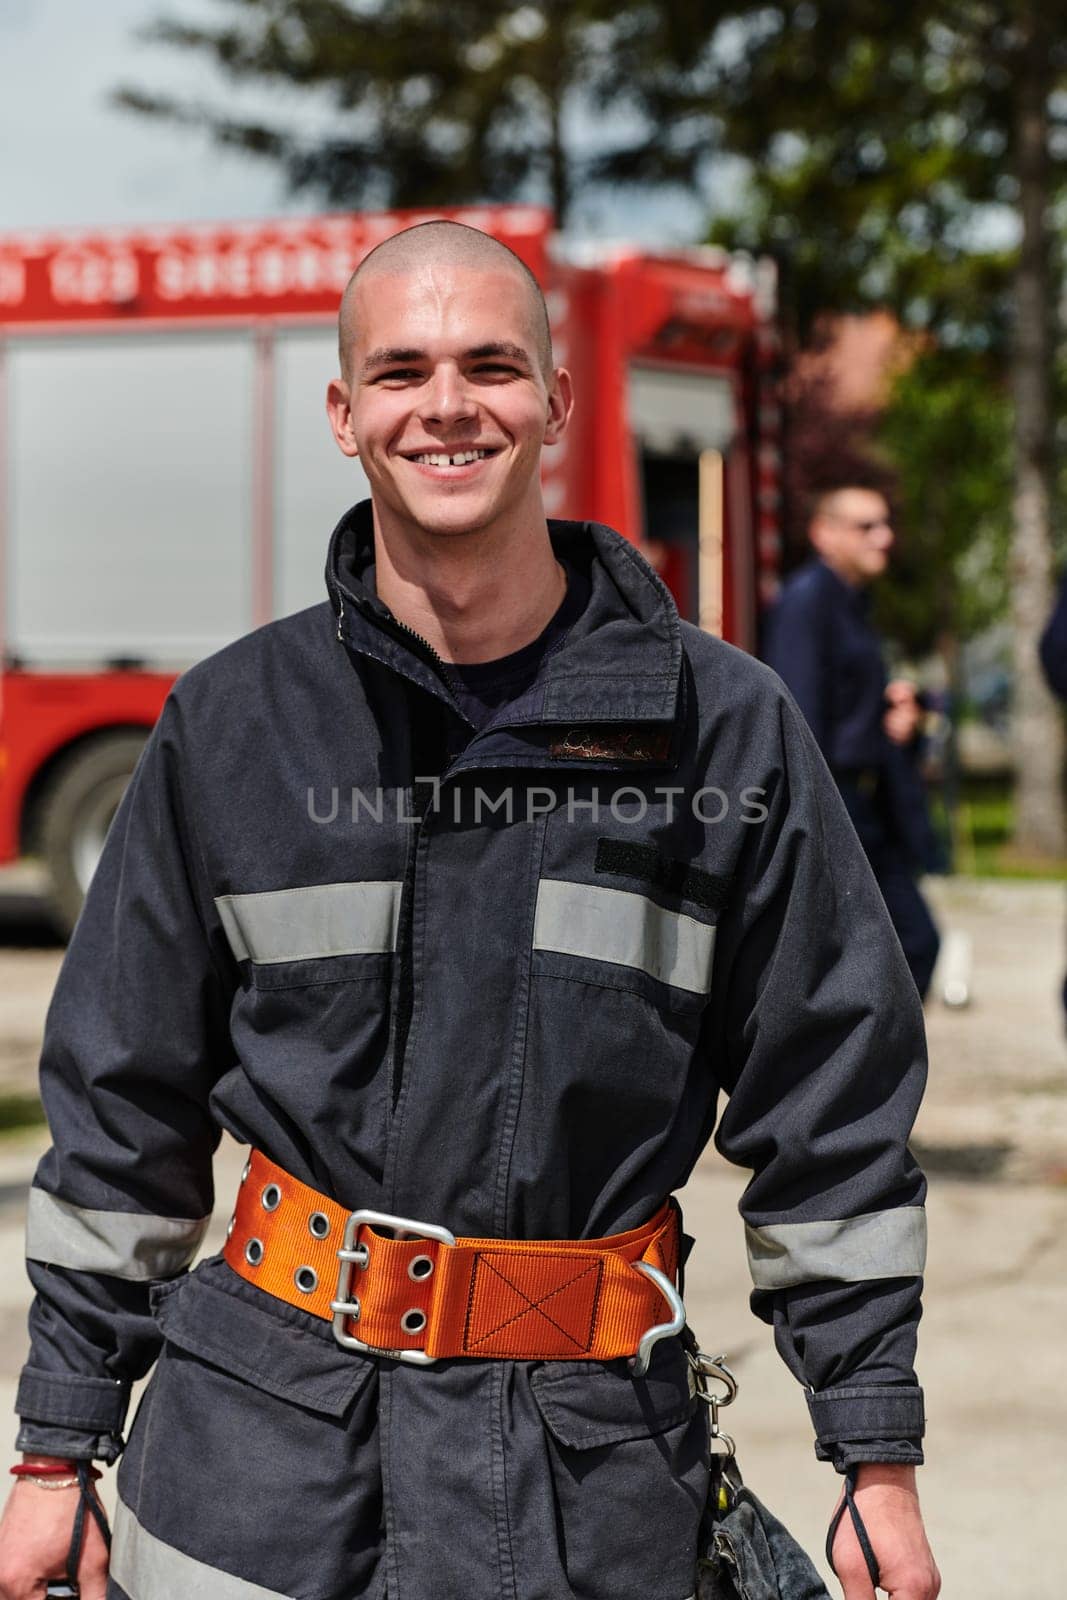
(87, 1501)
(848, 1503)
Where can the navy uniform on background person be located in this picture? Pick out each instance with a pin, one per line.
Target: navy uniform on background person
(1054, 646)
(1053, 651)
(821, 641)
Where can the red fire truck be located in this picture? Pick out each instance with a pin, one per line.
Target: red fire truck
(167, 479)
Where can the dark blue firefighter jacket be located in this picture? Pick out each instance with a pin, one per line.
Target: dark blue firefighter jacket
(513, 1016)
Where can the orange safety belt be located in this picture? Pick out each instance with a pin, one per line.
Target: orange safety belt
(516, 1299)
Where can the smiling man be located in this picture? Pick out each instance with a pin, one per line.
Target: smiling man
(475, 1043)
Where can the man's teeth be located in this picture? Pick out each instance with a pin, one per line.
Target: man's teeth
(459, 460)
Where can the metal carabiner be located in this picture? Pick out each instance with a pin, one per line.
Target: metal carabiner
(713, 1368)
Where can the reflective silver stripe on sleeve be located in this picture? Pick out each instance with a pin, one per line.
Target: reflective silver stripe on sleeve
(124, 1244)
(147, 1569)
(616, 925)
(881, 1244)
(325, 919)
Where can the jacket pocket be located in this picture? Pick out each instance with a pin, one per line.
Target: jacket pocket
(624, 939)
(254, 1452)
(214, 1315)
(322, 969)
(586, 1404)
(629, 1465)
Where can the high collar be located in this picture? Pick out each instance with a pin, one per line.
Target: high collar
(621, 660)
(856, 594)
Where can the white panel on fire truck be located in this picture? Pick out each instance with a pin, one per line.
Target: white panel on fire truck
(675, 412)
(314, 483)
(130, 498)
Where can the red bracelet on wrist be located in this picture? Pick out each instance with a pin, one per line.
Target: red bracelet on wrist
(54, 1469)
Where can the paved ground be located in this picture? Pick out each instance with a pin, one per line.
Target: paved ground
(993, 1134)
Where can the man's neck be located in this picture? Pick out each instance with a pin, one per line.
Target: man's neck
(846, 576)
(471, 598)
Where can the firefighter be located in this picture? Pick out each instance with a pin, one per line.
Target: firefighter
(458, 898)
(821, 641)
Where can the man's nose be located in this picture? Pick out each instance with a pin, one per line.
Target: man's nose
(447, 397)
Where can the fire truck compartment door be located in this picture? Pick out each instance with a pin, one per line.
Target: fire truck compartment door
(680, 413)
(313, 483)
(129, 500)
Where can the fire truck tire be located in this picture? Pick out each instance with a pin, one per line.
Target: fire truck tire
(74, 813)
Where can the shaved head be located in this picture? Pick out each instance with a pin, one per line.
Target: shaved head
(451, 244)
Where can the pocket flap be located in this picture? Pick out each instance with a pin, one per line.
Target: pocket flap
(589, 1403)
(214, 1314)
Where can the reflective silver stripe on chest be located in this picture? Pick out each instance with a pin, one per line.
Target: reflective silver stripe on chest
(616, 925)
(148, 1569)
(324, 919)
(880, 1244)
(124, 1244)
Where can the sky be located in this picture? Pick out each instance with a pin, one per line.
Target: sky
(68, 158)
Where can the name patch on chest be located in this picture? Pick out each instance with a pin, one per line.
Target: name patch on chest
(613, 744)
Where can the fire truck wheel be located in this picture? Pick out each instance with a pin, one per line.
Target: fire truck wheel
(75, 812)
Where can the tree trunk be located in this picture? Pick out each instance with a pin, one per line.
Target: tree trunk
(554, 87)
(1037, 721)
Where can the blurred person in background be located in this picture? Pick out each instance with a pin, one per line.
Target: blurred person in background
(1053, 651)
(822, 643)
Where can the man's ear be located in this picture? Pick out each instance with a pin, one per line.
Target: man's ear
(339, 411)
(560, 405)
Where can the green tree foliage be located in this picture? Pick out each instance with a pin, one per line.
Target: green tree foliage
(947, 433)
(884, 147)
(421, 104)
(880, 139)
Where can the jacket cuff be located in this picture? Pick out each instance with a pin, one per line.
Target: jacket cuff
(90, 1405)
(868, 1422)
(69, 1444)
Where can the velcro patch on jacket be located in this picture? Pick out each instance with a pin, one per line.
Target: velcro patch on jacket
(644, 861)
(614, 744)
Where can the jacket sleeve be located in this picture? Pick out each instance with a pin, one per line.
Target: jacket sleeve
(795, 647)
(135, 1037)
(819, 1042)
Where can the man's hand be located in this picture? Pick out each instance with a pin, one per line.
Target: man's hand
(35, 1532)
(901, 720)
(888, 1504)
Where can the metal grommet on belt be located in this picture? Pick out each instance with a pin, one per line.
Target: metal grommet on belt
(319, 1224)
(247, 1170)
(231, 1225)
(420, 1267)
(271, 1197)
(413, 1321)
(306, 1279)
(254, 1252)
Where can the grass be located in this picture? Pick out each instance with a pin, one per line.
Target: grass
(982, 836)
(18, 1111)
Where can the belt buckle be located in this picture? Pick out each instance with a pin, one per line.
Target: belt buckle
(351, 1255)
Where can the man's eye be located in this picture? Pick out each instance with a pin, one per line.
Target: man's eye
(494, 366)
(398, 372)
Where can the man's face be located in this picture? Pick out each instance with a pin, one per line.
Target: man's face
(853, 534)
(444, 363)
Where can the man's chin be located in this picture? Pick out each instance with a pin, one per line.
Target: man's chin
(454, 513)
